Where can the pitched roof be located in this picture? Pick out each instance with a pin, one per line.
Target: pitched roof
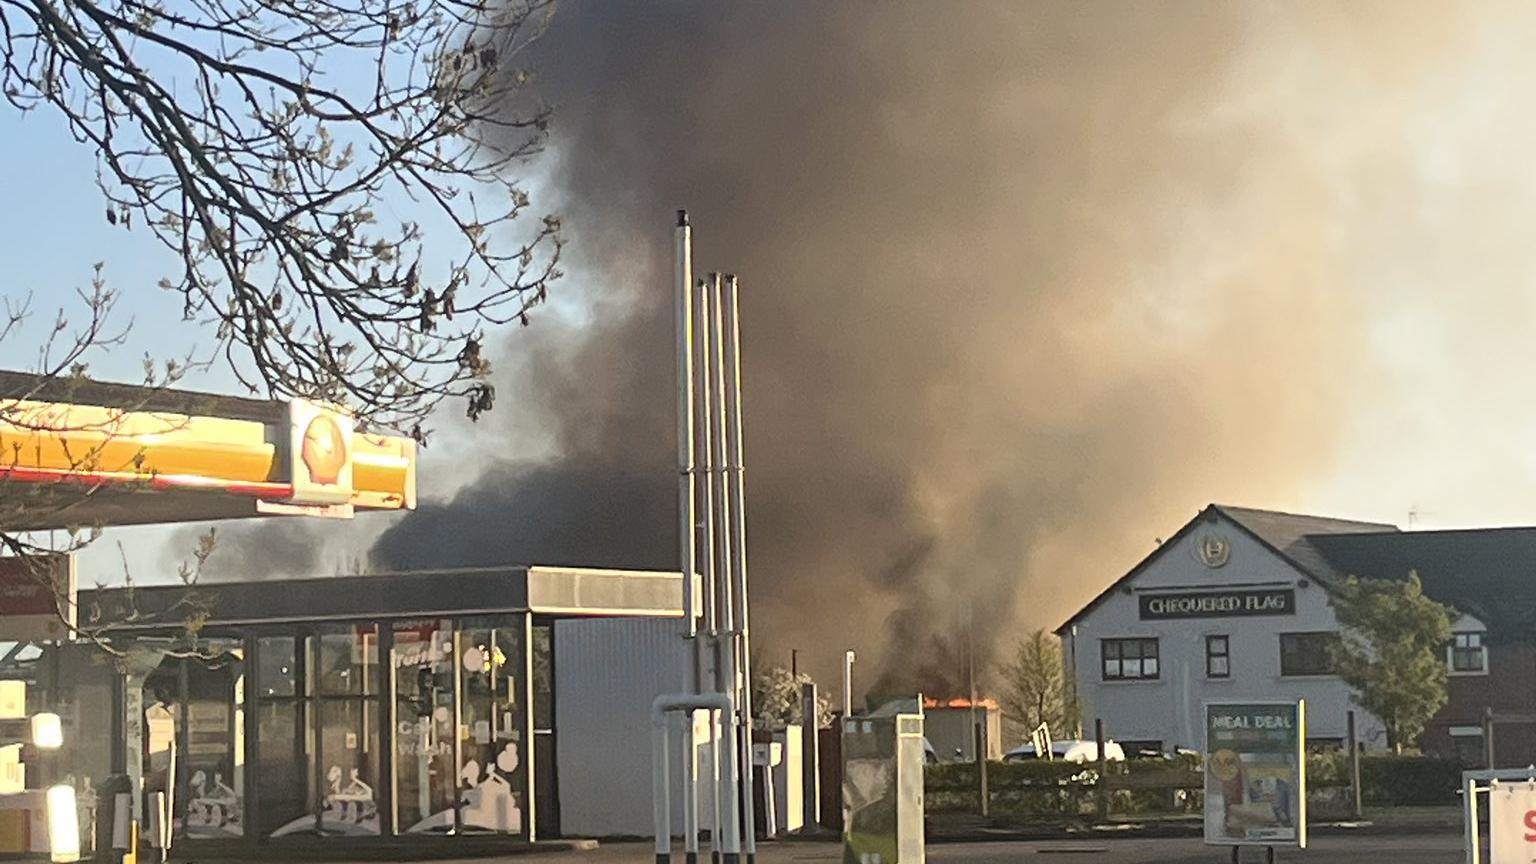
(1286, 534)
(1291, 535)
(1489, 573)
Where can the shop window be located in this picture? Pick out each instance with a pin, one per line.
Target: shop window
(492, 777)
(348, 663)
(285, 766)
(1307, 653)
(349, 750)
(347, 670)
(277, 672)
(1468, 654)
(426, 778)
(1218, 660)
(213, 773)
(194, 724)
(1130, 659)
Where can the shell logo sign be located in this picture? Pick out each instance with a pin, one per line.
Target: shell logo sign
(324, 451)
(320, 445)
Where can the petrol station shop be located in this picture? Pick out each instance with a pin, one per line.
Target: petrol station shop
(411, 708)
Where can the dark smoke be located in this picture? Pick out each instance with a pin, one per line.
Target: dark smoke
(595, 516)
(1023, 283)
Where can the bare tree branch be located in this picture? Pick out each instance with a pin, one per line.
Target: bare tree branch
(262, 142)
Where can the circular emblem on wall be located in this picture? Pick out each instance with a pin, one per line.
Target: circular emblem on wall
(1213, 550)
(325, 452)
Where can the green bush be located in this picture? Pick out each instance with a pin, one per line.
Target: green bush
(1409, 780)
(961, 776)
(1037, 789)
(1404, 781)
(1029, 789)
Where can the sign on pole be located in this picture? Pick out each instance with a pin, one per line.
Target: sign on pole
(1041, 739)
(1255, 773)
(1512, 823)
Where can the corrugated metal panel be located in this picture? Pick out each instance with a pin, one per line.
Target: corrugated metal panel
(607, 673)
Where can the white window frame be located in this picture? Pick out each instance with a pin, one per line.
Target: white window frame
(1141, 677)
(1450, 653)
(1225, 656)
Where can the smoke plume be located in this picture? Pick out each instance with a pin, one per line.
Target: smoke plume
(1022, 283)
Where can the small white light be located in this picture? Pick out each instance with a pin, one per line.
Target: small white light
(63, 825)
(47, 731)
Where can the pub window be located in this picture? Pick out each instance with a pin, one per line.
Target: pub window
(1218, 662)
(1467, 746)
(1306, 653)
(1130, 659)
(1469, 656)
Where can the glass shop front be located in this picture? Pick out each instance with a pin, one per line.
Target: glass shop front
(396, 729)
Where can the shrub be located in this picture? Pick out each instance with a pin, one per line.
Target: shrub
(1409, 780)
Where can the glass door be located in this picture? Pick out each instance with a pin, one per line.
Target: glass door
(214, 753)
(194, 741)
(347, 685)
(285, 766)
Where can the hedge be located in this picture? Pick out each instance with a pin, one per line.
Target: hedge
(1141, 786)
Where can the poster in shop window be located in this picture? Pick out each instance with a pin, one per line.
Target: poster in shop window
(1255, 773)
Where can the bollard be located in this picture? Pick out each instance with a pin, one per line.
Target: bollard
(113, 809)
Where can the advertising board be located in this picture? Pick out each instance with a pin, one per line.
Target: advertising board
(1255, 773)
(1512, 823)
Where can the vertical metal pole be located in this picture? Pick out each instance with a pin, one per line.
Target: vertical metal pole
(706, 560)
(980, 739)
(1354, 766)
(736, 485)
(685, 524)
(1488, 737)
(811, 756)
(683, 282)
(661, 794)
(1101, 788)
(736, 770)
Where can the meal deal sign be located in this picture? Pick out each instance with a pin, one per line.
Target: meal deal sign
(1512, 823)
(1255, 773)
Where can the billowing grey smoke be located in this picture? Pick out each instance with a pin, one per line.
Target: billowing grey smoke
(1023, 283)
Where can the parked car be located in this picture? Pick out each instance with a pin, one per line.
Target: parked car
(1069, 750)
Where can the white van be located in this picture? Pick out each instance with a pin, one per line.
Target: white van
(1069, 750)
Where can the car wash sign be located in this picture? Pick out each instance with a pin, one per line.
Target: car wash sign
(1218, 604)
(1255, 773)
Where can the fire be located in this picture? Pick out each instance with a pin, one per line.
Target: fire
(930, 703)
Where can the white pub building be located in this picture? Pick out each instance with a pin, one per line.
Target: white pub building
(1234, 605)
